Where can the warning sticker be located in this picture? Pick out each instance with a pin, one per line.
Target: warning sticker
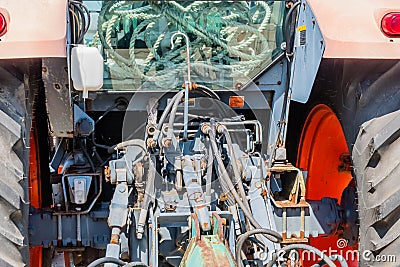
(302, 34)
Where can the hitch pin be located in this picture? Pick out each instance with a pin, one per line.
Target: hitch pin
(188, 83)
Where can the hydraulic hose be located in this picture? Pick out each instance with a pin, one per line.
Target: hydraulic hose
(238, 179)
(149, 190)
(133, 142)
(242, 238)
(103, 260)
(119, 262)
(148, 193)
(167, 110)
(172, 115)
(207, 91)
(173, 110)
(210, 164)
(312, 249)
(136, 264)
(177, 97)
(271, 235)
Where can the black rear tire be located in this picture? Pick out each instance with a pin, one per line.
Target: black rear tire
(15, 121)
(377, 169)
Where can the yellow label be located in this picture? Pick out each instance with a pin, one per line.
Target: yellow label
(301, 28)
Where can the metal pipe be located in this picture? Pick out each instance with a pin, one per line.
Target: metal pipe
(302, 220)
(186, 110)
(78, 228)
(210, 163)
(257, 127)
(284, 222)
(187, 51)
(188, 83)
(59, 230)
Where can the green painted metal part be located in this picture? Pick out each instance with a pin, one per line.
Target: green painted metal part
(207, 250)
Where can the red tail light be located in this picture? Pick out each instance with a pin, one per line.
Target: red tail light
(3, 25)
(391, 24)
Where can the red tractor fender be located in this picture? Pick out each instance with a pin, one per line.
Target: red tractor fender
(352, 29)
(35, 29)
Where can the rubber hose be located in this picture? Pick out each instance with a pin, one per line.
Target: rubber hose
(238, 179)
(208, 91)
(103, 260)
(133, 142)
(242, 238)
(287, 24)
(170, 131)
(314, 250)
(167, 110)
(272, 235)
(134, 264)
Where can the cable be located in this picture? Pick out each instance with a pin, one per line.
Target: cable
(210, 161)
(288, 35)
(108, 148)
(106, 112)
(77, 3)
(88, 157)
(74, 19)
(314, 250)
(83, 22)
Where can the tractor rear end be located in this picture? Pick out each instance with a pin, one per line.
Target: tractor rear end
(199, 133)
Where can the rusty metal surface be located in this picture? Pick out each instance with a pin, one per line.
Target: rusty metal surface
(207, 250)
(55, 78)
